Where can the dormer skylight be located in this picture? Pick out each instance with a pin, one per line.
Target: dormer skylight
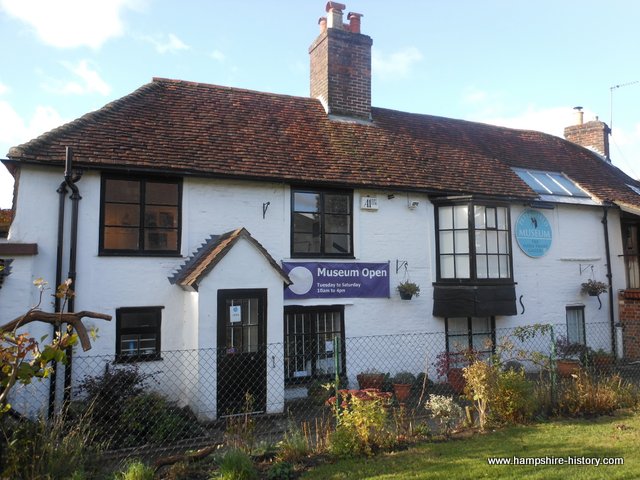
(553, 186)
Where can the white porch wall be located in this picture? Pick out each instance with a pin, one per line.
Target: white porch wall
(243, 267)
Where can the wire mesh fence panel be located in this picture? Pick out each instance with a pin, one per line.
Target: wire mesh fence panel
(192, 398)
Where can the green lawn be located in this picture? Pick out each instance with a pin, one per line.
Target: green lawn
(614, 436)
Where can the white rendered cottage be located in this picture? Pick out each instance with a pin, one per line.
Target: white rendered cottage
(230, 223)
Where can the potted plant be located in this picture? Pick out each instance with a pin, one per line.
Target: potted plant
(408, 289)
(371, 378)
(602, 360)
(569, 356)
(450, 365)
(402, 383)
(594, 287)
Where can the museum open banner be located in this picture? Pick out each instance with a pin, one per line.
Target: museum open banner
(337, 280)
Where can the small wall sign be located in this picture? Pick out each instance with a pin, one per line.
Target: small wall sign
(369, 203)
(235, 314)
(533, 233)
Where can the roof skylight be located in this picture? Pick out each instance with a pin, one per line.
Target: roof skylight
(550, 183)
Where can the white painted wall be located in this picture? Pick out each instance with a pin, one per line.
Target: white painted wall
(392, 233)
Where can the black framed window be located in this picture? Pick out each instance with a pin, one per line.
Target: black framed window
(473, 242)
(631, 253)
(575, 325)
(321, 223)
(310, 350)
(140, 216)
(138, 333)
(471, 333)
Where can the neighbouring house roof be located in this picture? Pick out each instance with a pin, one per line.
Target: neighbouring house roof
(207, 256)
(188, 128)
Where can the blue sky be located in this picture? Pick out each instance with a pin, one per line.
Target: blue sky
(513, 63)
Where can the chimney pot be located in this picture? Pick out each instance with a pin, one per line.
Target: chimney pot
(335, 6)
(322, 21)
(354, 21)
(579, 115)
(334, 19)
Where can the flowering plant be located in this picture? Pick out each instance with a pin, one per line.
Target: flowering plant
(445, 410)
(594, 287)
(445, 360)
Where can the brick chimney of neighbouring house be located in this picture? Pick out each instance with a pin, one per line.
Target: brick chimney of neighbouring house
(341, 65)
(593, 135)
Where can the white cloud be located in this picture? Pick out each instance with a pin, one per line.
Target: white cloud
(3, 88)
(15, 130)
(624, 143)
(87, 81)
(549, 120)
(172, 44)
(72, 23)
(395, 65)
(218, 56)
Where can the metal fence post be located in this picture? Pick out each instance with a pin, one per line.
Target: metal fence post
(553, 367)
(336, 369)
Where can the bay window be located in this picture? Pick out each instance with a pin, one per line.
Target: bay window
(474, 242)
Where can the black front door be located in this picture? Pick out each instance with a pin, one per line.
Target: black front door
(242, 356)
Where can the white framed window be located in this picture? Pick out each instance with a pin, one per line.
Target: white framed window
(575, 325)
(474, 242)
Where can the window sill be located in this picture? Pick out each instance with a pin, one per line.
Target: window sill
(139, 254)
(137, 359)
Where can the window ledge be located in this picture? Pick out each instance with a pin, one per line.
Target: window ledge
(141, 358)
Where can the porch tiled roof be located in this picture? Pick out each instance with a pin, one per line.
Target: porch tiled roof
(199, 129)
(206, 257)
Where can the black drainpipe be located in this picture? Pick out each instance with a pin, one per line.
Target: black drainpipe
(71, 180)
(605, 222)
(62, 194)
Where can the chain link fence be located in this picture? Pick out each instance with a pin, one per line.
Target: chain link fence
(195, 398)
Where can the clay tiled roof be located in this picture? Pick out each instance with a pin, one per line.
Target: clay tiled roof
(206, 130)
(207, 256)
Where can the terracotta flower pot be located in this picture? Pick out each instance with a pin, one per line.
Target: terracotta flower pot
(603, 363)
(456, 380)
(370, 380)
(567, 367)
(402, 391)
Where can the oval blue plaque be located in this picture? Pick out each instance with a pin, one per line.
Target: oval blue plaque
(533, 233)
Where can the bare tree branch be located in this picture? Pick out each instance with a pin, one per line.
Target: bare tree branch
(73, 319)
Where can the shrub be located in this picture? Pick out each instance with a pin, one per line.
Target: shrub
(108, 395)
(136, 470)
(293, 447)
(584, 394)
(445, 410)
(404, 378)
(513, 400)
(281, 471)
(481, 382)
(35, 449)
(150, 418)
(236, 465)
(344, 442)
(362, 422)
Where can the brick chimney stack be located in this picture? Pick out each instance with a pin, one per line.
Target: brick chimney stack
(341, 65)
(593, 135)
